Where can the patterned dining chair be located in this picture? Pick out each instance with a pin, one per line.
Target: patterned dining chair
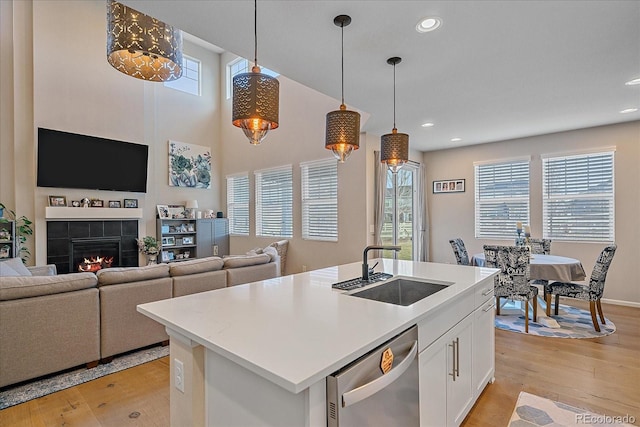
(513, 280)
(591, 292)
(462, 256)
(540, 246)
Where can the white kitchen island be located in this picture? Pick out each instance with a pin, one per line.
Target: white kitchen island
(258, 354)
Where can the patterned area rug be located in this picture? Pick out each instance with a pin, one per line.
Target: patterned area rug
(532, 410)
(32, 390)
(574, 323)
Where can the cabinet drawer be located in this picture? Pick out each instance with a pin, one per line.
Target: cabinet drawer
(483, 292)
(444, 318)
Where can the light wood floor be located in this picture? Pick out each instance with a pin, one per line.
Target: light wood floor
(600, 375)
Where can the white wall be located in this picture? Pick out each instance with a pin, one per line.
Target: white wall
(452, 215)
(76, 90)
(299, 138)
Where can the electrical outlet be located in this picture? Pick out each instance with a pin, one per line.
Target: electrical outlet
(215, 250)
(178, 368)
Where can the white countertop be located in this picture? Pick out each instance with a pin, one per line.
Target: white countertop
(295, 330)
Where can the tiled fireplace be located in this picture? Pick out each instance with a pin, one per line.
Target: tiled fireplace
(90, 245)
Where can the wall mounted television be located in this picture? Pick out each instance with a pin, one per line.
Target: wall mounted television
(69, 160)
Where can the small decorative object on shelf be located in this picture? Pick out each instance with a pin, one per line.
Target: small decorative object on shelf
(149, 246)
(57, 201)
(85, 202)
(130, 203)
(114, 203)
(97, 203)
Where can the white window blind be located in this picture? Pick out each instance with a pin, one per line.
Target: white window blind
(238, 204)
(502, 198)
(578, 197)
(320, 200)
(189, 82)
(274, 202)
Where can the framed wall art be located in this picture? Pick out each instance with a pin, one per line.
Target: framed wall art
(114, 204)
(189, 165)
(448, 186)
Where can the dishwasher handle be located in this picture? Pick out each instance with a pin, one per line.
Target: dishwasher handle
(366, 390)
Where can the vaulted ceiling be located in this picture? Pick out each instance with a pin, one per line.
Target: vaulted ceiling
(494, 70)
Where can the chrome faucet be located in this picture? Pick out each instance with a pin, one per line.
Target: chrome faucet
(365, 265)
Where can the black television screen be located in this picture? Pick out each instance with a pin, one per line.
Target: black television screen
(69, 160)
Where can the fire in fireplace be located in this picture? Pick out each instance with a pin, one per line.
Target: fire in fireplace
(94, 264)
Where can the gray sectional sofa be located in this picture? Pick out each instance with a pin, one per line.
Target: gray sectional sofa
(50, 323)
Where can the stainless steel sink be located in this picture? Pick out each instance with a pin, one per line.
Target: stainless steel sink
(400, 291)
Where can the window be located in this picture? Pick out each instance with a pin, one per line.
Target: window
(239, 66)
(502, 198)
(577, 197)
(320, 200)
(274, 202)
(238, 204)
(189, 82)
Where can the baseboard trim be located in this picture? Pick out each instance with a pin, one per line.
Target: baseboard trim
(619, 302)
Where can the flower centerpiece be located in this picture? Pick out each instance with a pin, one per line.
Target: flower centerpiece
(148, 245)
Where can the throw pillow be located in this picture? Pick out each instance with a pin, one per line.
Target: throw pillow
(7, 271)
(271, 251)
(16, 265)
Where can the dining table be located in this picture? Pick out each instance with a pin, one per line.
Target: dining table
(550, 268)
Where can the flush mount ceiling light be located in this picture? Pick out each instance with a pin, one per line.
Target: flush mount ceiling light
(427, 24)
(394, 146)
(141, 46)
(456, 139)
(633, 82)
(343, 126)
(628, 110)
(256, 98)
(427, 125)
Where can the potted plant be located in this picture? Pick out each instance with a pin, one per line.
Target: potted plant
(149, 246)
(23, 230)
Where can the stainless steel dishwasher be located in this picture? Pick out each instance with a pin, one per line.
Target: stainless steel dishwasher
(378, 389)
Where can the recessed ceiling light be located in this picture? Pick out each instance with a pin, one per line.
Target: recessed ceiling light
(629, 110)
(427, 125)
(633, 82)
(456, 139)
(427, 24)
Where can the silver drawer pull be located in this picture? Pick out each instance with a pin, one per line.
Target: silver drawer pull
(489, 307)
(487, 292)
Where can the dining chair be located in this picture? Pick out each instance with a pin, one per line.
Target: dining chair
(540, 246)
(459, 250)
(513, 280)
(591, 292)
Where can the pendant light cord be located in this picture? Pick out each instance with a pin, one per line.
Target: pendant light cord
(342, 59)
(255, 32)
(394, 96)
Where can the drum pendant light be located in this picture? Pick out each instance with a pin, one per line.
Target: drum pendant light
(255, 98)
(343, 126)
(394, 146)
(141, 46)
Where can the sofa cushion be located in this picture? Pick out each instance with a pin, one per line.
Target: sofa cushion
(13, 267)
(26, 287)
(245, 260)
(112, 276)
(194, 266)
(271, 251)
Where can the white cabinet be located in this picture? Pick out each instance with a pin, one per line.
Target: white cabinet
(446, 392)
(483, 346)
(457, 357)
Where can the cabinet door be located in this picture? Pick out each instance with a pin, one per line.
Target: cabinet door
(432, 362)
(221, 236)
(204, 237)
(483, 346)
(460, 396)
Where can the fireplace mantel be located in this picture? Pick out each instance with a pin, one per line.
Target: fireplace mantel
(71, 213)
